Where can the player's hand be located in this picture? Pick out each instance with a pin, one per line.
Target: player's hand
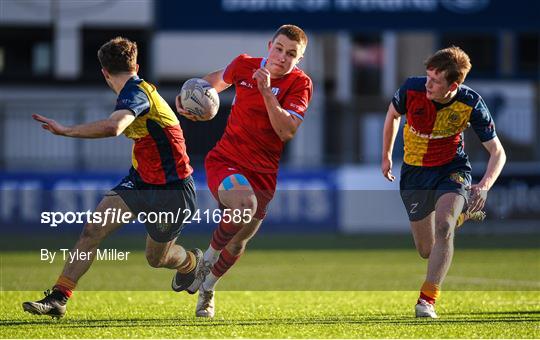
(262, 76)
(478, 196)
(386, 168)
(184, 112)
(51, 125)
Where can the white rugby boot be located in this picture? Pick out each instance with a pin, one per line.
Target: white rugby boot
(205, 303)
(425, 309)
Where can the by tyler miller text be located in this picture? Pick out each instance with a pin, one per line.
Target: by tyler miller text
(72, 255)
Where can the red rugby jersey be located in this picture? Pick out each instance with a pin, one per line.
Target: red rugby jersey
(249, 139)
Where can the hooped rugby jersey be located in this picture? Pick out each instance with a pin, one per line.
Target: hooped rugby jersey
(433, 132)
(159, 153)
(249, 138)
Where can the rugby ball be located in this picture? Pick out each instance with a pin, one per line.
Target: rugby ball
(199, 98)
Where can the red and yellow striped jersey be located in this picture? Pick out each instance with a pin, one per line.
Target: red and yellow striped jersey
(159, 153)
(433, 132)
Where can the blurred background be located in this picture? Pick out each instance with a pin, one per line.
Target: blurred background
(359, 53)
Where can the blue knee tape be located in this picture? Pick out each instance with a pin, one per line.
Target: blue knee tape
(241, 179)
(227, 183)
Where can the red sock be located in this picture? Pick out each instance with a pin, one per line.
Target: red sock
(65, 286)
(223, 234)
(430, 292)
(225, 261)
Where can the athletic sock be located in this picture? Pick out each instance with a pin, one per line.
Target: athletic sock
(210, 282)
(65, 287)
(429, 292)
(189, 263)
(223, 234)
(225, 261)
(211, 255)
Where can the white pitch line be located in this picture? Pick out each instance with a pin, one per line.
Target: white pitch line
(484, 280)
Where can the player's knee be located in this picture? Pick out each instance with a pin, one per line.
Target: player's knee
(92, 234)
(154, 260)
(444, 229)
(249, 203)
(424, 251)
(246, 205)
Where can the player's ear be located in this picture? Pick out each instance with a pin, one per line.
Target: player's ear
(453, 86)
(269, 45)
(105, 73)
(301, 51)
(136, 68)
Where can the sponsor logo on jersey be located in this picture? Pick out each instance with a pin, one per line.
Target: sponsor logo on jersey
(246, 84)
(435, 134)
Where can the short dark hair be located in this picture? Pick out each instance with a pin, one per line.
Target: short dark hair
(118, 55)
(453, 60)
(292, 32)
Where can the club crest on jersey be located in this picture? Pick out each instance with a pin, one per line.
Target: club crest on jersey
(275, 90)
(454, 117)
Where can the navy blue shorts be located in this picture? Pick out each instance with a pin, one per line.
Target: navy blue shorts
(179, 199)
(421, 187)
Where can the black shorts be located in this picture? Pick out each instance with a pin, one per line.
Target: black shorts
(177, 198)
(421, 187)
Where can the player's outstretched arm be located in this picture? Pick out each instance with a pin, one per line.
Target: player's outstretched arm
(51, 125)
(110, 127)
(497, 159)
(391, 127)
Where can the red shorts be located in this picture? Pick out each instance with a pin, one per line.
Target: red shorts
(263, 184)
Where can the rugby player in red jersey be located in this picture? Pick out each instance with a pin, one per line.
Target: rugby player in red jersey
(435, 183)
(272, 95)
(159, 180)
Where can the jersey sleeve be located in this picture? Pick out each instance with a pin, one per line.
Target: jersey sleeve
(133, 98)
(297, 100)
(230, 74)
(482, 122)
(400, 99)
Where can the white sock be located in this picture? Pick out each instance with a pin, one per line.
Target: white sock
(210, 282)
(211, 255)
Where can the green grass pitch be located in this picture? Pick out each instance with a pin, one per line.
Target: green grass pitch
(354, 292)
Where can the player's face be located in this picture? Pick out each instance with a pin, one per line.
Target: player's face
(283, 55)
(437, 87)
